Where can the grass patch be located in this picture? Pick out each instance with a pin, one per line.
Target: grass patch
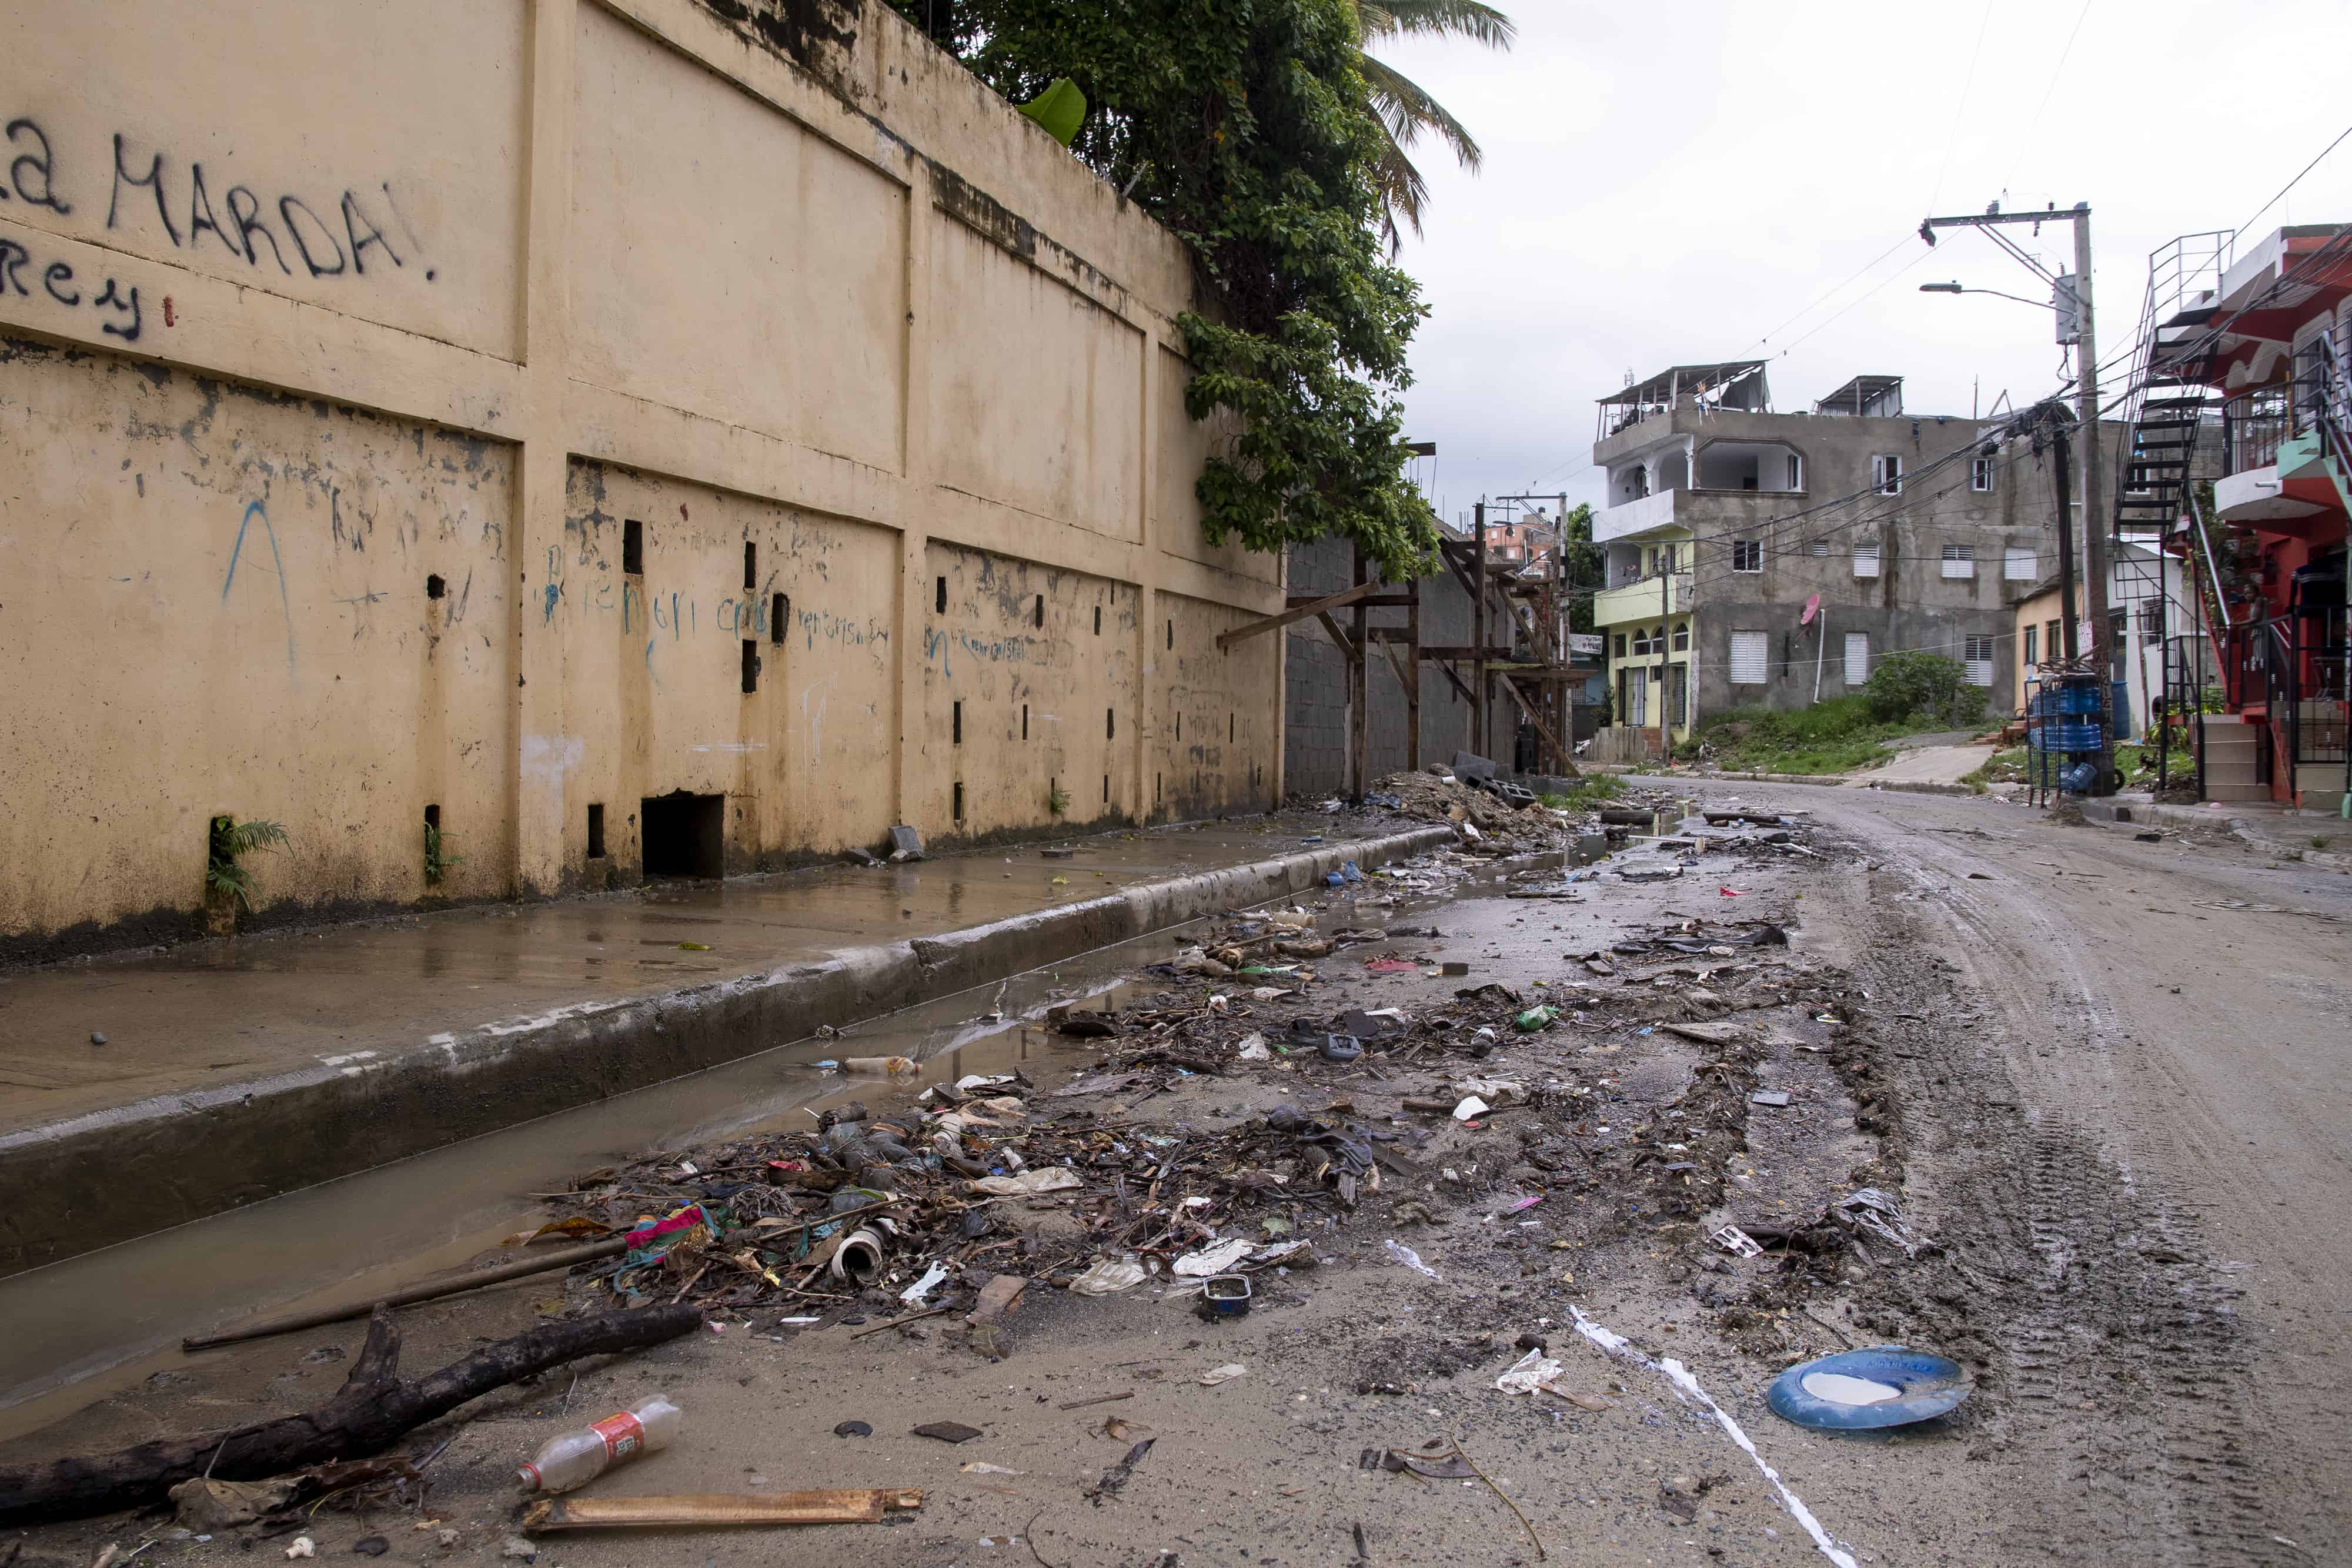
(1835, 737)
(2001, 767)
(1588, 795)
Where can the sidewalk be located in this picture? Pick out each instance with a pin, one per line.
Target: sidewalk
(234, 1070)
(2274, 830)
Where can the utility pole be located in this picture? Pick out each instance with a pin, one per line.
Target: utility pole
(2096, 523)
(2063, 483)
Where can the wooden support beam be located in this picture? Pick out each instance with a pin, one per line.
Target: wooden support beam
(1472, 652)
(1296, 613)
(1461, 687)
(1370, 601)
(1412, 686)
(1535, 716)
(1338, 634)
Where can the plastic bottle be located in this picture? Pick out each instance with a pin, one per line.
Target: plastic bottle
(577, 1458)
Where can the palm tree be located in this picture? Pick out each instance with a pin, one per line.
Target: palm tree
(1403, 109)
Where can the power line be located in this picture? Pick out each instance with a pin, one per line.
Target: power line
(1857, 272)
(1960, 110)
(2290, 184)
(2026, 144)
(1860, 298)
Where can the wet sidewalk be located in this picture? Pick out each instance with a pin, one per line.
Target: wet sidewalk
(234, 1070)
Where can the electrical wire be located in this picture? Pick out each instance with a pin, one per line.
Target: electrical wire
(2290, 184)
(1825, 294)
(1959, 110)
(2025, 144)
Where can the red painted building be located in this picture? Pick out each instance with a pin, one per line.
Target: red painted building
(2239, 463)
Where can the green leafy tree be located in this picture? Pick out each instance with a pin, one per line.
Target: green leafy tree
(1243, 126)
(1585, 565)
(1406, 111)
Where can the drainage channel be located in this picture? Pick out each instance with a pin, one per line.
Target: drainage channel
(85, 1328)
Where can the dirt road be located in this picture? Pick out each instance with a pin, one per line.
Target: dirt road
(2138, 1190)
(2130, 1106)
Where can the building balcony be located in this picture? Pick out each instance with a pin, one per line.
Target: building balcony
(1644, 599)
(1629, 519)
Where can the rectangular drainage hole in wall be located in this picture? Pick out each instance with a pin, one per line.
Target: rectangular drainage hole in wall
(1040, 609)
(751, 566)
(596, 830)
(1106, 789)
(1024, 721)
(633, 546)
(939, 598)
(1110, 724)
(1098, 619)
(433, 587)
(958, 800)
(1229, 729)
(780, 611)
(750, 666)
(1171, 633)
(433, 818)
(956, 721)
(684, 835)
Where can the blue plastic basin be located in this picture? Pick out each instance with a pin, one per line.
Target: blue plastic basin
(1930, 1386)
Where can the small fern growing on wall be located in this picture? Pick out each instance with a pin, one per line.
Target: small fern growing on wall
(439, 862)
(231, 841)
(1058, 799)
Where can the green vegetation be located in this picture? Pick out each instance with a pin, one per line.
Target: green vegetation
(230, 842)
(1589, 793)
(1835, 737)
(439, 862)
(1253, 132)
(1911, 685)
(1058, 799)
(1403, 109)
(2001, 767)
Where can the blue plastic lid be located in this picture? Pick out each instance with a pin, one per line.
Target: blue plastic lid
(1926, 1385)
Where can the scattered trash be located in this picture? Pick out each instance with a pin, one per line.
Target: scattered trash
(1772, 1097)
(1254, 1048)
(371, 1546)
(1885, 1385)
(844, 1505)
(1227, 1374)
(913, 1295)
(1342, 1048)
(1227, 1295)
(853, 1429)
(1396, 966)
(1217, 1259)
(1108, 1277)
(1410, 1258)
(949, 1431)
(1535, 1019)
(879, 1066)
(577, 1458)
(1867, 1208)
(1532, 1371)
(1118, 1475)
(1471, 1106)
(1736, 1241)
(1045, 1178)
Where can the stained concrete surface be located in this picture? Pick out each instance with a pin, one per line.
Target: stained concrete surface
(257, 1068)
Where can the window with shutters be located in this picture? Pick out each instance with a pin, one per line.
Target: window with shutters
(1749, 654)
(2151, 618)
(1640, 644)
(1887, 472)
(2018, 563)
(2051, 645)
(1748, 555)
(1959, 561)
(1865, 558)
(2031, 654)
(1818, 547)
(1981, 474)
(1977, 653)
(1857, 658)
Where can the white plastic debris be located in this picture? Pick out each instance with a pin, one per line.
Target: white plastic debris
(1529, 1373)
(1254, 1048)
(1410, 1258)
(1220, 1003)
(1471, 1106)
(1217, 1259)
(1736, 1241)
(1107, 1278)
(972, 1081)
(913, 1295)
(1047, 1179)
(303, 1547)
(1224, 1374)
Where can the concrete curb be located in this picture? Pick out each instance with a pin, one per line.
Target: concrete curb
(2149, 814)
(75, 1185)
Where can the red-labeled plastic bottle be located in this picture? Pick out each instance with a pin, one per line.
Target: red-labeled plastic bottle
(577, 1458)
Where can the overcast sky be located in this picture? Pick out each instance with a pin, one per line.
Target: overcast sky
(1680, 184)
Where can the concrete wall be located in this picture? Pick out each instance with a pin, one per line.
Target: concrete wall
(1314, 676)
(326, 409)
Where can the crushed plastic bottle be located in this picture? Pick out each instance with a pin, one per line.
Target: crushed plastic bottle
(1411, 1260)
(577, 1458)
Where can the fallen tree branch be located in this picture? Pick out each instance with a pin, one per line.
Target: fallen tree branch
(373, 1407)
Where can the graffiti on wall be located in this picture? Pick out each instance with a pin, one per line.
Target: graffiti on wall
(148, 191)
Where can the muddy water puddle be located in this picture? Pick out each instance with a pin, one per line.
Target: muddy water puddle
(94, 1324)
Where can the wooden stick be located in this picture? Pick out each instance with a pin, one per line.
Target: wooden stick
(901, 1323)
(373, 1408)
(843, 1505)
(432, 1291)
(1098, 1399)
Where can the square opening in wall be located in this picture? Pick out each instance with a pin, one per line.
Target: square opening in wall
(433, 587)
(596, 830)
(633, 546)
(685, 836)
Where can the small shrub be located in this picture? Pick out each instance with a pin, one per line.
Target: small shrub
(1926, 684)
(230, 841)
(439, 862)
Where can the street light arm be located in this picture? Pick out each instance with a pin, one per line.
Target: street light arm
(1954, 289)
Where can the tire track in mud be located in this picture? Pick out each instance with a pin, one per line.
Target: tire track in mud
(2115, 1355)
